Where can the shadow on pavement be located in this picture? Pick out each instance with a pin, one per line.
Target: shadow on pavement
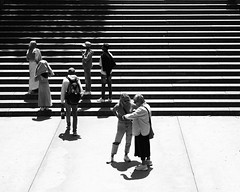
(124, 166)
(68, 137)
(138, 174)
(41, 118)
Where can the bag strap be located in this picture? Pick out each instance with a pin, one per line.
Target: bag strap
(72, 80)
(149, 116)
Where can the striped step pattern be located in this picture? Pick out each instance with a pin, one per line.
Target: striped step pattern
(182, 55)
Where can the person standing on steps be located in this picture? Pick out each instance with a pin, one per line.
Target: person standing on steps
(33, 56)
(141, 130)
(124, 106)
(106, 63)
(71, 103)
(87, 66)
(43, 72)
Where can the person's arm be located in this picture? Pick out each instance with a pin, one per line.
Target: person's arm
(38, 55)
(63, 90)
(116, 112)
(27, 55)
(50, 71)
(138, 113)
(79, 82)
(88, 56)
(100, 61)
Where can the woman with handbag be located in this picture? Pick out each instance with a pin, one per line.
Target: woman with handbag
(141, 130)
(43, 72)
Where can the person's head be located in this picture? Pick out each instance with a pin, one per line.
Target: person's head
(138, 99)
(124, 99)
(87, 45)
(32, 44)
(105, 47)
(125, 102)
(71, 71)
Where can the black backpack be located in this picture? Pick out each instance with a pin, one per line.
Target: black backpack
(73, 93)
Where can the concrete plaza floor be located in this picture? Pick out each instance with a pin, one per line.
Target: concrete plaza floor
(189, 154)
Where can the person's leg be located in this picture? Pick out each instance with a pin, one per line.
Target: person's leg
(68, 115)
(87, 74)
(74, 113)
(103, 78)
(118, 139)
(142, 151)
(109, 82)
(128, 141)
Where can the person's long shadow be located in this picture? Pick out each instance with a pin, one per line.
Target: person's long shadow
(138, 174)
(124, 166)
(68, 137)
(41, 118)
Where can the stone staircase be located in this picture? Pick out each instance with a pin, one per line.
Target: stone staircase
(182, 55)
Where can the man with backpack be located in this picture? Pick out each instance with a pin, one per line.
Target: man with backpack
(71, 93)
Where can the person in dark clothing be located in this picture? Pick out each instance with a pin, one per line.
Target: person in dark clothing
(106, 63)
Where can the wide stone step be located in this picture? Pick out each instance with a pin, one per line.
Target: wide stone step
(125, 27)
(134, 42)
(167, 58)
(127, 52)
(171, 93)
(27, 35)
(87, 22)
(83, 16)
(135, 72)
(177, 88)
(105, 111)
(132, 65)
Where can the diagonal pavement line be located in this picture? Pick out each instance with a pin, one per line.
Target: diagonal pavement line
(44, 157)
(189, 160)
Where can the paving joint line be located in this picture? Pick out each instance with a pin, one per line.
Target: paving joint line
(44, 157)
(188, 156)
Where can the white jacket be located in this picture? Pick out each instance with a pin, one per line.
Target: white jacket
(140, 119)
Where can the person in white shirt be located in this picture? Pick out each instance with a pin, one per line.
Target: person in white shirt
(33, 56)
(141, 130)
(87, 66)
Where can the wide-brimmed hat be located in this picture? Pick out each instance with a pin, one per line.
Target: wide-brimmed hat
(86, 44)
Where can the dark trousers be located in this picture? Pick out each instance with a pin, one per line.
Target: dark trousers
(106, 79)
(87, 74)
(71, 109)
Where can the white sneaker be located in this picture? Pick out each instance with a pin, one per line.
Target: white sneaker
(100, 100)
(141, 168)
